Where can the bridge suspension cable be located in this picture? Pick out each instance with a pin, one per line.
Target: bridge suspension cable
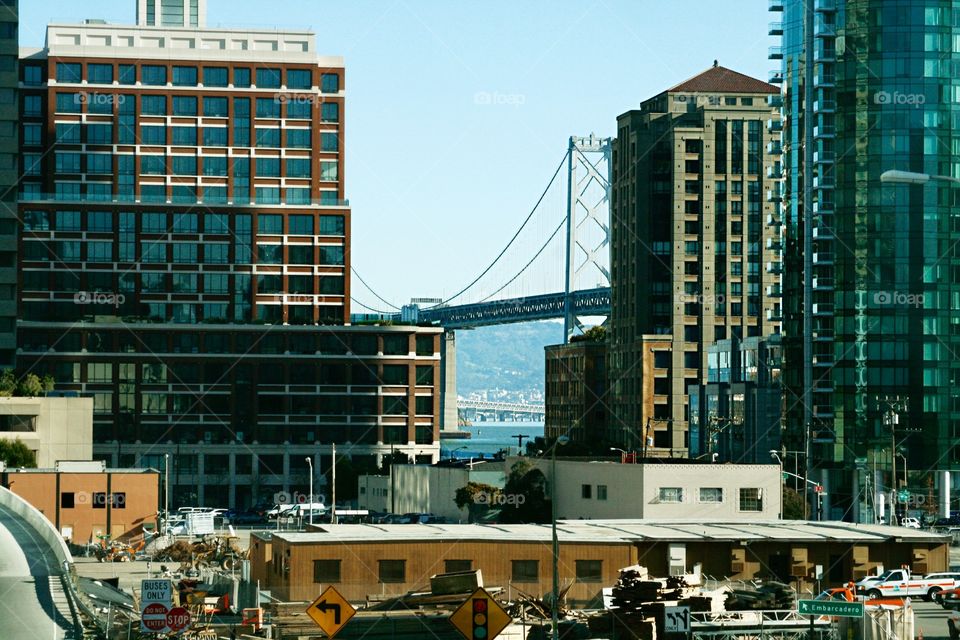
(512, 240)
(370, 289)
(532, 260)
(369, 308)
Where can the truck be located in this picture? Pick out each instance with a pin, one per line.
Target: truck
(899, 582)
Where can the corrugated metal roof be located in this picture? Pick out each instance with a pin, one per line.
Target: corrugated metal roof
(616, 531)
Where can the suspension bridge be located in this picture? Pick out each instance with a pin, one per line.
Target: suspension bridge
(563, 242)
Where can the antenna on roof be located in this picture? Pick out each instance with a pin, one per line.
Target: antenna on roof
(715, 63)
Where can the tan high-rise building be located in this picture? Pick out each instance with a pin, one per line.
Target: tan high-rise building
(695, 244)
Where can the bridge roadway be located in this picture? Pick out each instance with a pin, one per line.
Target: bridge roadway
(31, 598)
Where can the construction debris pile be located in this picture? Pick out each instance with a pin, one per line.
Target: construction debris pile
(768, 596)
(222, 552)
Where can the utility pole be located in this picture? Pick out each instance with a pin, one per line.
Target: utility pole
(333, 490)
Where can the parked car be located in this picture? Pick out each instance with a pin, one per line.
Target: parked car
(246, 518)
(899, 582)
(910, 523)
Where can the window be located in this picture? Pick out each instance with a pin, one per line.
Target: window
(299, 79)
(215, 76)
(185, 76)
(241, 77)
(270, 223)
(215, 107)
(329, 141)
(184, 105)
(100, 73)
(330, 112)
(299, 109)
(268, 167)
(325, 571)
(586, 491)
(268, 137)
(330, 83)
(31, 133)
(32, 75)
(214, 165)
(68, 72)
(268, 78)
(154, 135)
(393, 571)
(328, 170)
(301, 225)
(589, 570)
(153, 105)
(671, 494)
(153, 75)
(67, 500)
(215, 137)
(69, 103)
(298, 138)
(751, 499)
(268, 108)
(601, 492)
(99, 133)
(184, 165)
(298, 167)
(525, 570)
(128, 74)
(455, 566)
(711, 494)
(184, 135)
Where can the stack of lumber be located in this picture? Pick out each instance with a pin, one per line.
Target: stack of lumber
(770, 595)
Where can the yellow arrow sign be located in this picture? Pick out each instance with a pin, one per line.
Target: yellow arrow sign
(331, 611)
(480, 617)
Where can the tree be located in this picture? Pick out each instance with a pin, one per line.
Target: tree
(526, 495)
(30, 386)
(8, 383)
(477, 498)
(16, 454)
(793, 504)
(593, 334)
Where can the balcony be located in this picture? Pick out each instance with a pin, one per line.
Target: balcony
(773, 291)
(822, 233)
(822, 6)
(775, 29)
(775, 5)
(823, 208)
(775, 77)
(774, 172)
(775, 53)
(824, 51)
(821, 283)
(823, 308)
(775, 101)
(824, 29)
(774, 148)
(824, 156)
(824, 80)
(823, 385)
(773, 220)
(824, 182)
(823, 335)
(824, 131)
(774, 315)
(775, 267)
(822, 257)
(774, 195)
(825, 106)
(823, 412)
(774, 244)
(775, 125)
(823, 360)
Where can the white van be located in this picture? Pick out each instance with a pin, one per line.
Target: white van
(303, 510)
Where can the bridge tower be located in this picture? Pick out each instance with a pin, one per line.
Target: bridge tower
(589, 164)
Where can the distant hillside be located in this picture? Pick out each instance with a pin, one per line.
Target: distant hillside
(506, 357)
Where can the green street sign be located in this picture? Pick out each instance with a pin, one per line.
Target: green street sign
(830, 608)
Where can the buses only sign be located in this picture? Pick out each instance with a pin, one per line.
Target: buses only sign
(156, 603)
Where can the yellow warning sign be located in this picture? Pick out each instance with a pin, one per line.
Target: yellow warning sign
(331, 611)
(480, 617)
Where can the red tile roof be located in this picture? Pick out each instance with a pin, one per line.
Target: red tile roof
(719, 79)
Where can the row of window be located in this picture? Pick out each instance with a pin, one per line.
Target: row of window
(395, 571)
(157, 222)
(750, 498)
(156, 252)
(178, 194)
(213, 166)
(184, 76)
(179, 135)
(183, 106)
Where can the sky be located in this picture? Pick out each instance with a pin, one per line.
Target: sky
(458, 111)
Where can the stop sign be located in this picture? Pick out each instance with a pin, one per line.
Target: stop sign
(178, 619)
(155, 616)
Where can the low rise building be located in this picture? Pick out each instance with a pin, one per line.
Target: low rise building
(54, 428)
(360, 560)
(685, 489)
(85, 500)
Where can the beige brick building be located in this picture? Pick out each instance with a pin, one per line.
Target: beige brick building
(694, 259)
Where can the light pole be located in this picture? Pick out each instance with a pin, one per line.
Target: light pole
(310, 464)
(623, 454)
(775, 455)
(166, 491)
(909, 177)
(333, 488)
(555, 605)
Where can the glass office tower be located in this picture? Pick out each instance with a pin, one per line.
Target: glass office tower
(872, 269)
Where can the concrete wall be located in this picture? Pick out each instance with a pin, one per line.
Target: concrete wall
(430, 489)
(63, 427)
(634, 490)
(91, 515)
(38, 522)
(373, 493)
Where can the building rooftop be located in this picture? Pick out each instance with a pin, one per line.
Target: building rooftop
(616, 531)
(719, 79)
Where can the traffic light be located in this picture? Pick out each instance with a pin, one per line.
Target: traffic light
(479, 619)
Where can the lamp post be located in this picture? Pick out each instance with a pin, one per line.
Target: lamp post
(333, 488)
(166, 491)
(310, 464)
(623, 454)
(555, 605)
(776, 456)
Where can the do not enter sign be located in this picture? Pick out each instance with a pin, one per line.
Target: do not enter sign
(155, 617)
(178, 619)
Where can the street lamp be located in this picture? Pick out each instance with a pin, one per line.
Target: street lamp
(909, 177)
(166, 491)
(623, 454)
(776, 456)
(310, 464)
(555, 605)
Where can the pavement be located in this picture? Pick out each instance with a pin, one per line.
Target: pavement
(29, 608)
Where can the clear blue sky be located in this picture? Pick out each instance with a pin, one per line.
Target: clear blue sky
(437, 181)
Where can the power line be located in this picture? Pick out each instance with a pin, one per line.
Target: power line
(509, 244)
(370, 289)
(536, 255)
